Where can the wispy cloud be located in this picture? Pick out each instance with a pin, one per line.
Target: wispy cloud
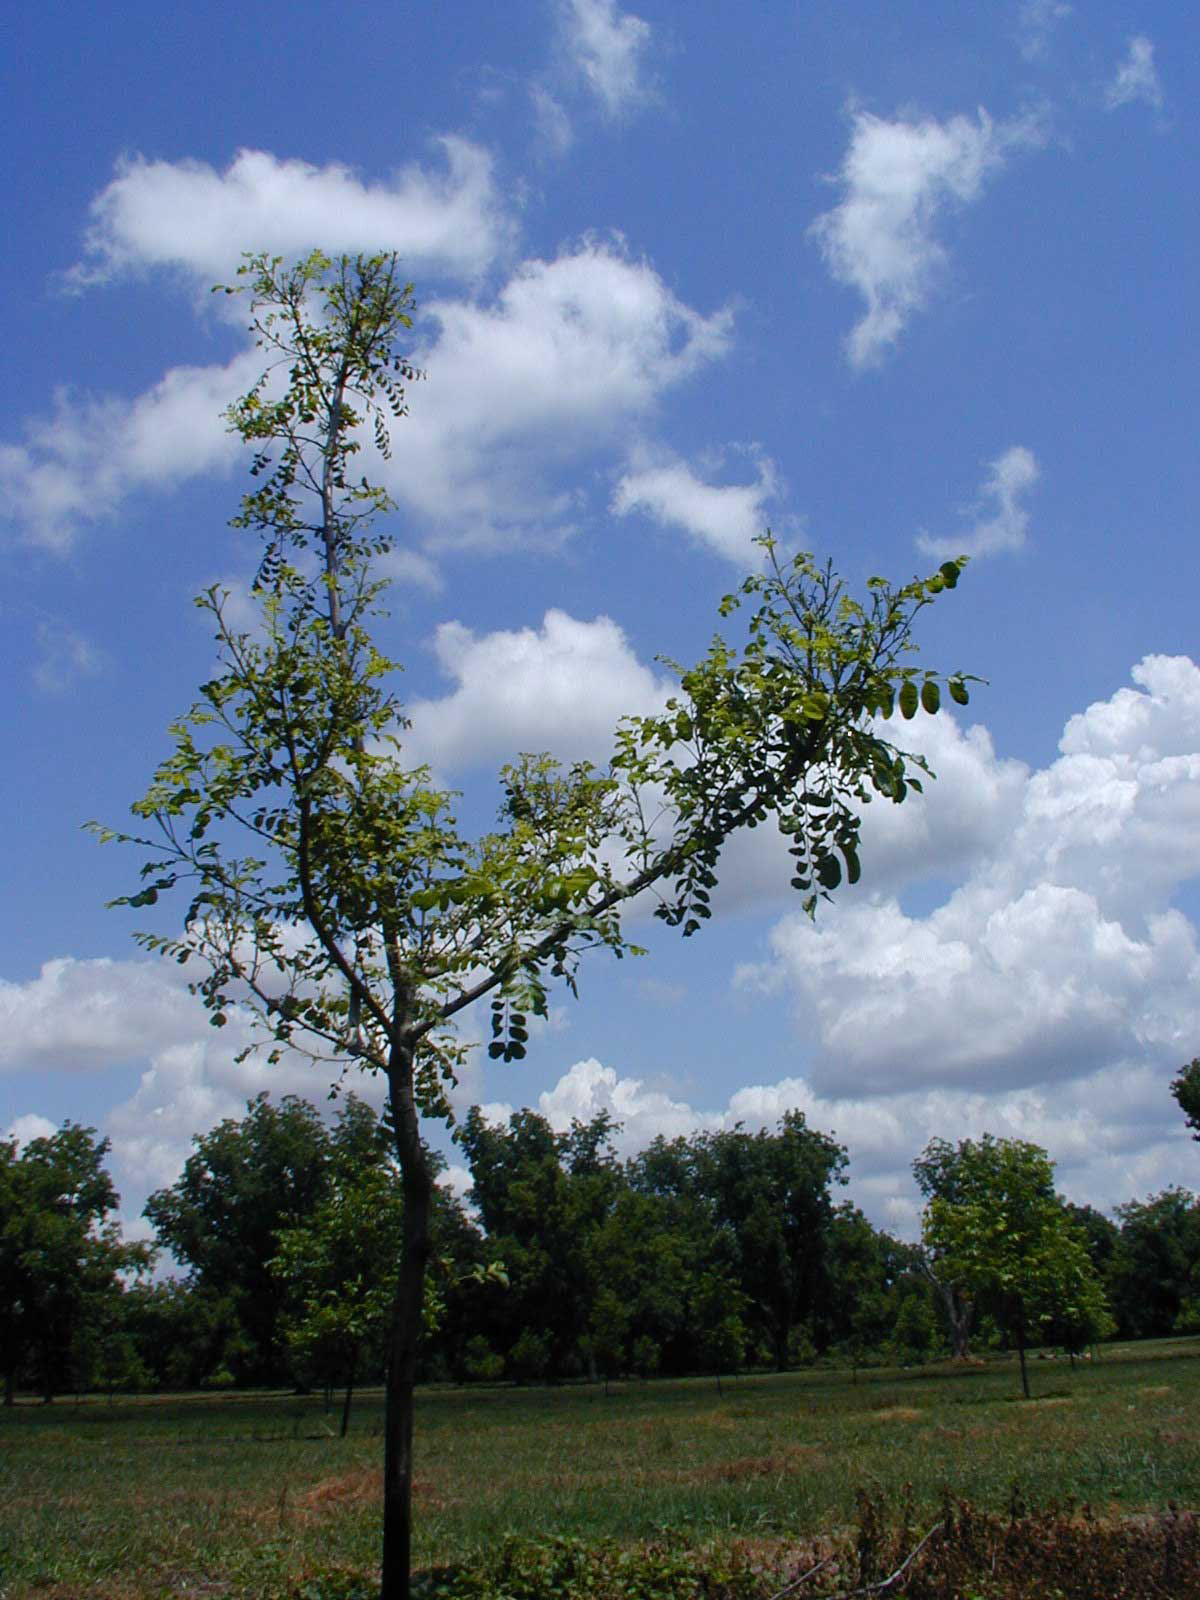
(65, 657)
(608, 48)
(555, 135)
(897, 179)
(1036, 21)
(1009, 480)
(1136, 78)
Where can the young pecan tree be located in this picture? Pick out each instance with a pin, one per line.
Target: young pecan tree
(333, 894)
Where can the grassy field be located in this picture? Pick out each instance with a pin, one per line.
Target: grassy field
(212, 1496)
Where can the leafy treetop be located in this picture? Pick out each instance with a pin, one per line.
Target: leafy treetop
(360, 916)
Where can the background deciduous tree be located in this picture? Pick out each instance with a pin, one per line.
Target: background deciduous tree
(332, 893)
(764, 1201)
(244, 1181)
(61, 1261)
(1155, 1270)
(1186, 1089)
(1001, 1234)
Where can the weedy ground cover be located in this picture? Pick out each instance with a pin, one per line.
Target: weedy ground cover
(254, 1495)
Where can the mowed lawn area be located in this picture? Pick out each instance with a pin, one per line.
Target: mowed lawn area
(246, 1494)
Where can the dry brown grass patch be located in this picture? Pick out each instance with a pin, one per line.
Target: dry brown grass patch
(900, 1414)
(739, 1469)
(363, 1487)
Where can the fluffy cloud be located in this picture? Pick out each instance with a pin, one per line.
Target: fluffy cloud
(562, 687)
(81, 1016)
(589, 1088)
(89, 1017)
(1010, 478)
(1060, 955)
(897, 179)
(189, 216)
(977, 798)
(77, 466)
(570, 357)
(607, 47)
(1107, 1135)
(29, 1127)
(1136, 78)
(725, 517)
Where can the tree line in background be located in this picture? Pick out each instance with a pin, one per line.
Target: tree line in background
(714, 1253)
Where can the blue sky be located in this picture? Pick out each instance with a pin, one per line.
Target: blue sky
(897, 280)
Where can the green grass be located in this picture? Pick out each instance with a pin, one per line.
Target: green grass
(242, 1494)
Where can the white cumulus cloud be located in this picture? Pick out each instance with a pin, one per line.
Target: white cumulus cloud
(570, 357)
(562, 687)
(725, 517)
(1010, 478)
(898, 178)
(23, 1130)
(78, 465)
(1059, 954)
(79, 1015)
(91, 1016)
(191, 216)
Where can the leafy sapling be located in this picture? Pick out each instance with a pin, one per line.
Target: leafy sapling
(333, 896)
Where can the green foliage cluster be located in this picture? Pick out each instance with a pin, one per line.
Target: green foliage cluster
(290, 1234)
(1003, 1238)
(718, 1253)
(700, 1254)
(62, 1268)
(1186, 1090)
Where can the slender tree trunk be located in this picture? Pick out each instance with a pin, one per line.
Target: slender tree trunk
(1021, 1353)
(350, 1376)
(960, 1323)
(10, 1387)
(781, 1346)
(417, 1182)
(957, 1308)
